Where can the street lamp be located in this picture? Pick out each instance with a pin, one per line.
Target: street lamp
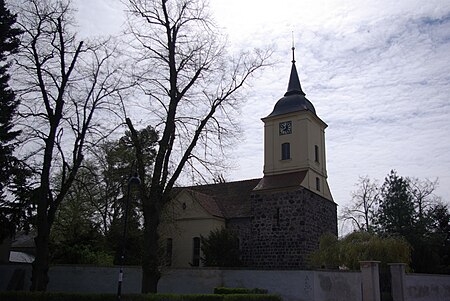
(132, 180)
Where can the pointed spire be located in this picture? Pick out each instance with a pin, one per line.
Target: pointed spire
(294, 99)
(294, 86)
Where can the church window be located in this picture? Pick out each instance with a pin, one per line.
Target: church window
(316, 153)
(317, 183)
(196, 251)
(285, 151)
(278, 216)
(169, 251)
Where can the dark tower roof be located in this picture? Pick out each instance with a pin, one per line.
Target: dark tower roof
(294, 99)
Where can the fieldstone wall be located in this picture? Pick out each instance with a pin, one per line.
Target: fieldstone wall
(286, 227)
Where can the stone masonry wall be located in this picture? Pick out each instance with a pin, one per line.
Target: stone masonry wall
(286, 227)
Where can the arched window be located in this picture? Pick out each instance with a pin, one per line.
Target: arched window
(196, 251)
(316, 153)
(169, 251)
(285, 151)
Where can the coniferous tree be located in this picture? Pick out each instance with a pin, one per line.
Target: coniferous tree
(424, 226)
(9, 43)
(89, 225)
(396, 210)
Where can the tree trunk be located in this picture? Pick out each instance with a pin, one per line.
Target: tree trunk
(39, 274)
(150, 276)
(152, 201)
(150, 262)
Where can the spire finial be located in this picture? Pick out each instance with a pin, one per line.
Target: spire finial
(293, 48)
(294, 86)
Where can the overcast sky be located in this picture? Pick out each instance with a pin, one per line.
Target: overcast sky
(377, 72)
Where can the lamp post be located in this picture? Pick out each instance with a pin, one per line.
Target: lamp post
(132, 180)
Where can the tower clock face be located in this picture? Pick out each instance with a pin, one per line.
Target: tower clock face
(285, 127)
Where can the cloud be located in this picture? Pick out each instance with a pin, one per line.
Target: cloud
(99, 17)
(382, 85)
(377, 72)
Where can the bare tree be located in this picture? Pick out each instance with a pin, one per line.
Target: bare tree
(364, 202)
(422, 192)
(193, 85)
(65, 84)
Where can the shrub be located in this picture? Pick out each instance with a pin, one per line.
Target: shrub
(359, 246)
(220, 249)
(238, 290)
(39, 296)
(251, 297)
(44, 296)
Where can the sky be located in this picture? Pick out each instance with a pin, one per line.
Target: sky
(377, 72)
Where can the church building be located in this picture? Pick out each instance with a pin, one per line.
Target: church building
(278, 218)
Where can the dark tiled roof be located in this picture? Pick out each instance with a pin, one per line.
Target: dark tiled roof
(230, 199)
(294, 99)
(208, 202)
(293, 179)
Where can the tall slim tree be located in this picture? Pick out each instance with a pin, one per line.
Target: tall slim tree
(193, 86)
(65, 85)
(439, 238)
(9, 43)
(396, 211)
(362, 211)
(422, 192)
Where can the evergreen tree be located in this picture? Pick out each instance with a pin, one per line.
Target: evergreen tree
(403, 212)
(76, 237)
(396, 208)
(89, 225)
(432, 244)
(9, 43)
(120, 159)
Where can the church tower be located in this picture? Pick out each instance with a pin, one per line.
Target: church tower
(294, 142)
(291, 206)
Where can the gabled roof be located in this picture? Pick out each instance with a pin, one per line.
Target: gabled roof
(228, 200)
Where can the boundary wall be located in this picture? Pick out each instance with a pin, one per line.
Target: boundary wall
(291, 285)
(418, 287)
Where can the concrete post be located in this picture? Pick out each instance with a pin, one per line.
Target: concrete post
(370, 277)
(397, 281)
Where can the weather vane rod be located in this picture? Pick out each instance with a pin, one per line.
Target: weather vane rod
(293, 48)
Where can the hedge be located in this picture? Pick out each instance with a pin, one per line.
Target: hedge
(251, 297)
(39, 296)
(239, 290)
